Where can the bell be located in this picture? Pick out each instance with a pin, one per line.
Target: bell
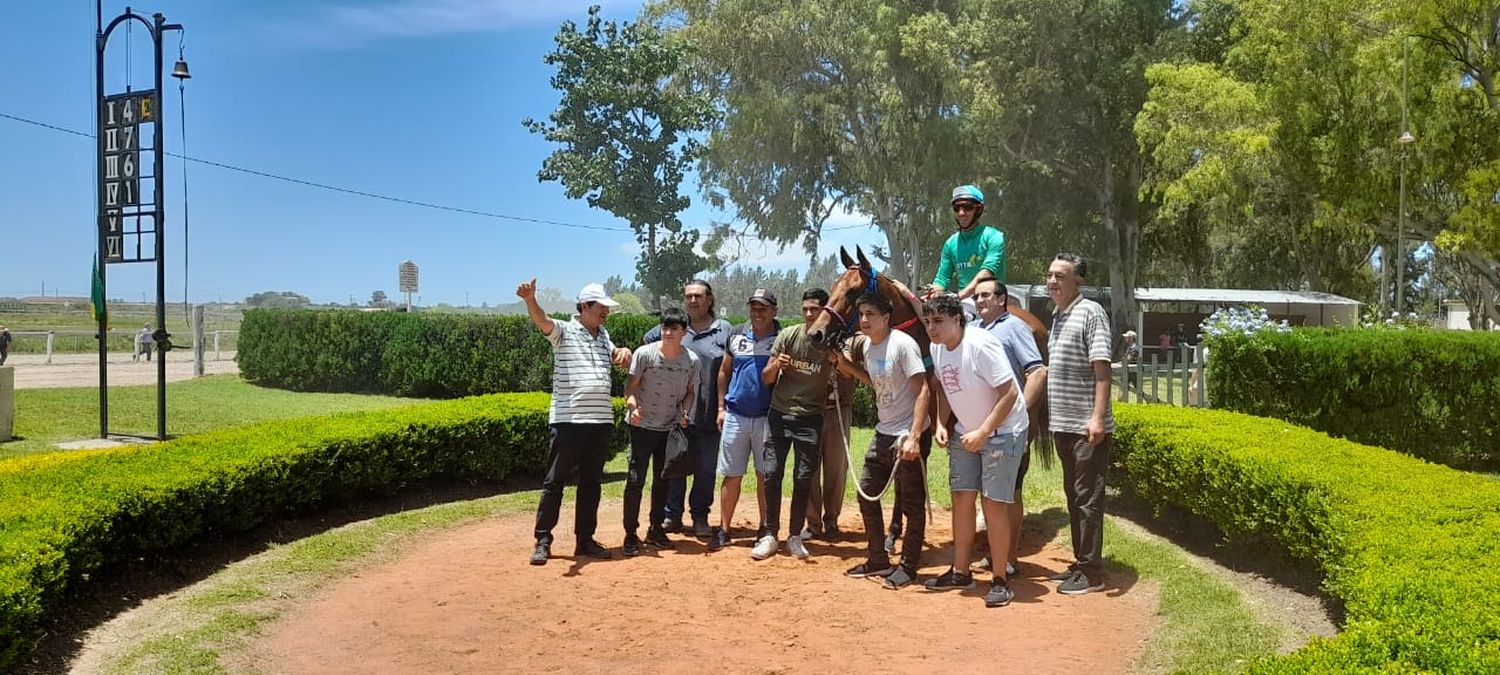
(180, 70)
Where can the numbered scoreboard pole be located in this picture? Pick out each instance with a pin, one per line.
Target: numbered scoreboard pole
(131, 223)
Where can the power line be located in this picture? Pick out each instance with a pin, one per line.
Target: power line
(335, 188)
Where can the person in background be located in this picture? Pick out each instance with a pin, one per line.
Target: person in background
(4, 344)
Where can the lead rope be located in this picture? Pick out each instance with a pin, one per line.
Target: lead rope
(890, 480)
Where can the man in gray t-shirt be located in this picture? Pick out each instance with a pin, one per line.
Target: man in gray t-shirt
(658, 397)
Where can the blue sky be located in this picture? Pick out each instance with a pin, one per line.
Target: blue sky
(418, 99)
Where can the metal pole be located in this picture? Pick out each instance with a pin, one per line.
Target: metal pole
(1399, 300)
(161, 266)
(99, 225)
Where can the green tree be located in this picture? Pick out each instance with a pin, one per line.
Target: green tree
(378, 299)
(278, 300)
(829, 105)
(626, 125)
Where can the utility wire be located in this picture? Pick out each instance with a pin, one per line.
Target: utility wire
(335, 188)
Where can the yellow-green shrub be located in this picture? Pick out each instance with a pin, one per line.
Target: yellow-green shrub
(1408, 546)
(65, 515)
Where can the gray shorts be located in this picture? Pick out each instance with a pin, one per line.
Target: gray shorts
(994, 468)
(744, 437)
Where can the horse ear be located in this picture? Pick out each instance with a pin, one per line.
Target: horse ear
(863, 262)
(844, 257)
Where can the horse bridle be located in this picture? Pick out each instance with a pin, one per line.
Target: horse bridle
(846, 325)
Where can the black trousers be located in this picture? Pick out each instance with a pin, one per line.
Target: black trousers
(786, 432)
(1085, 469)
(896, 518)
(647, 447)
(573, 450)
(911, 499)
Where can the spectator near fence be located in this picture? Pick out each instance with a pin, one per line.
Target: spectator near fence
(142, 343)
(4, 344)
(582, 415)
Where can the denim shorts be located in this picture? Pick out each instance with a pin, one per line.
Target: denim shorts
(745, 437)
(994, 468)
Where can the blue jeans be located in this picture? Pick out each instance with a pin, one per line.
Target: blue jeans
(706, 455)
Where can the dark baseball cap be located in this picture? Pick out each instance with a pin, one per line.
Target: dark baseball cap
(763, 297)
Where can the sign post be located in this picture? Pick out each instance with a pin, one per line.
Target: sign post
(131, 222)
(408, 279)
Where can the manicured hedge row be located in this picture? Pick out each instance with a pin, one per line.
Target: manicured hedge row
(1428, 393)
(1408, 546)
(64, 515)
(427, 355)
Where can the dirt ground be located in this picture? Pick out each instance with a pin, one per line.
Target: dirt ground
(82, 370)
(466, 601)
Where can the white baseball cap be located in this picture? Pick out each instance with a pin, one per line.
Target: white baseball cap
(595, 293)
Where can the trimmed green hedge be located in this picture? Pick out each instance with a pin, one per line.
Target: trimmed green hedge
(1408, 546)
(1428, 393)
(426, 355)
(64, 515)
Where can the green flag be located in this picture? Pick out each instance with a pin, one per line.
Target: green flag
(96, 308)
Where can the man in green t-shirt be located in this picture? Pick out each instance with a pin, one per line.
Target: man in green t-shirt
(974, 253)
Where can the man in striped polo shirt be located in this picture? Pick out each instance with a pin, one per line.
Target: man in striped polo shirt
(581, 417)
(1078, 383)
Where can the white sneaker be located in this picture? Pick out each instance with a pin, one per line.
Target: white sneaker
(797, 548)
(765, 547)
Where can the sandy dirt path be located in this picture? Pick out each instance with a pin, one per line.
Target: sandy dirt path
(465, 601)
(82, 370)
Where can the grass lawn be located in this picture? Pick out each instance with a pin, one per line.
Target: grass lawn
(48, 416)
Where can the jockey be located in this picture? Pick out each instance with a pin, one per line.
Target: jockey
(972, 254)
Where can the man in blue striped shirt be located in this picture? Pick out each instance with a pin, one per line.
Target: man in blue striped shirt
(581, 417)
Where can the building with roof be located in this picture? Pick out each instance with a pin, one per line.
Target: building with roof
(1163, 310)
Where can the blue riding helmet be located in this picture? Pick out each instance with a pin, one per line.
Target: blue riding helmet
(967, 192)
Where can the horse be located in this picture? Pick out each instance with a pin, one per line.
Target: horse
(840, 318)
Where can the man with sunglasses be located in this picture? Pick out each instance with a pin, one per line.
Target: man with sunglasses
(974, 253)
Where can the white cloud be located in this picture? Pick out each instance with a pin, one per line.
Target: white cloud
(347, 25)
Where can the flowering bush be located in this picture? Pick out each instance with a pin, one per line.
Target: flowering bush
(1372, 318)
(1237, 321)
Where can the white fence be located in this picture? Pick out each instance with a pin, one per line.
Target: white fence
(215, 343)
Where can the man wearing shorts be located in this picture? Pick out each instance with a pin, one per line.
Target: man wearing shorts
(744, 402)
(993, 302)
(985, 448)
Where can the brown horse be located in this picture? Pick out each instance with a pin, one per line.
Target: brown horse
(840, 319)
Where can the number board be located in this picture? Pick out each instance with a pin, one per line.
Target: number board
(120, 124)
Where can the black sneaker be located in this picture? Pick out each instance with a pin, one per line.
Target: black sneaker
(832, 533)
(632, 545)
(900, 578)
(1000, 594)
(541, 554)
(672, 525)
(1063, 575)
(588, 548)
(718, 538)
(950, 581)
(867, 569)
(658, 539)
(1080, 584)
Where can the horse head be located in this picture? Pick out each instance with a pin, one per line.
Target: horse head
(840, 318)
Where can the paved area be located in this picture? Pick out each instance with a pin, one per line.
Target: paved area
(82, 370)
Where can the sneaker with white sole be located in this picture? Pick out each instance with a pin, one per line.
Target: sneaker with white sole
(1080, 584)
(765, 547)
(898, 579)
(1063, 575)
(999, 595)
(951, 580)
(869, 569)
(797, 548)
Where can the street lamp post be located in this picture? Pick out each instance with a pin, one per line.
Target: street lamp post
(1404, 140)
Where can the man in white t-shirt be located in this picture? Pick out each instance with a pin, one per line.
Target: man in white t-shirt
(976, 384)
(893, 368)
